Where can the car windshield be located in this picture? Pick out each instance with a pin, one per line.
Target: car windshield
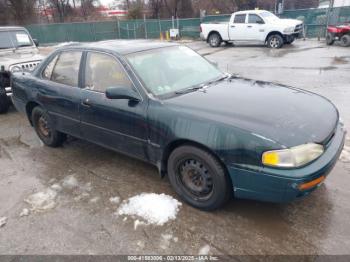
(14, 39)
(166, 71)
(268, 16)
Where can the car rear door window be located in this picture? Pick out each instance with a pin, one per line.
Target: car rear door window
(66, 70)
(255, 19)
(239, 19)
(103, 71)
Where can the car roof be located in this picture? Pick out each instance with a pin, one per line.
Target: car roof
(122, 47)
(6, 28)
(251, 12)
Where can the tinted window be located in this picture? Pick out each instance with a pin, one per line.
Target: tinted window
(255, 19)
(66, 70)
(103, 71)
(239, 19)
(49, 68)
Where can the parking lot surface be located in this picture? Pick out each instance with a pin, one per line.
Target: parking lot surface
(80, 218)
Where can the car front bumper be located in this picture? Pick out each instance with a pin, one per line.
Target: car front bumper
(281, 185)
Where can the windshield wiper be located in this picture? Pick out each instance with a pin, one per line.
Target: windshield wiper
(190, 89)
(24, 45)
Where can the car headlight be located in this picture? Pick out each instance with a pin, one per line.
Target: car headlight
(16, 69)
(292, 157)
(289, 30)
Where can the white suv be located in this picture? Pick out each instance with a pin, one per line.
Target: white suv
(18, 52)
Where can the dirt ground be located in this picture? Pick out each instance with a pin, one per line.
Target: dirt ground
(81, 219)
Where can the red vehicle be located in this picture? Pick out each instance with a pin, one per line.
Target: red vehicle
(338, 33)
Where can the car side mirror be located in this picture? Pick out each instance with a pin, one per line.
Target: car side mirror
(36, 42)
(121, 92)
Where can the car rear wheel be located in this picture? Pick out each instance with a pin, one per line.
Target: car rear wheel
(198, 178)
(4, 101)
(345, 40)
(275, 41)
(43, 126)
(214, 40)
(330, 39)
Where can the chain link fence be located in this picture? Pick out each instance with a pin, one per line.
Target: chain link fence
(315, 21)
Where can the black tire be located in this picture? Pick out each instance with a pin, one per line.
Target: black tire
(330, 39)
(345, 41)
(275, 41)
(290, 41)
(214, 40)
(43, 126)
(199, 178)
(4, 101)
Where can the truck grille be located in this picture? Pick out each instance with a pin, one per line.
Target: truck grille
(29, 66)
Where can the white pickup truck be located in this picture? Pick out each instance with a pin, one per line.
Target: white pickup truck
(253, 26)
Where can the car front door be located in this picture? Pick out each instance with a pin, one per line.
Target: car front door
(255, 28)
(238, 28)
(59, 93)
(119, 124)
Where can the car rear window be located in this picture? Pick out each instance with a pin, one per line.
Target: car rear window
(239, 19)
(66, 70)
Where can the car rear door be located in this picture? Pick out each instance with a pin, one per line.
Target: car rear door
(238, 28)
(256, 28)
(59, 93)
(119, 124)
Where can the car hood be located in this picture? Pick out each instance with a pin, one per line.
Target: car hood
(285, 115)
(290, 22)
(8, 58)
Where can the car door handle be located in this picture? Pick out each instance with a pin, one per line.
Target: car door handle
(86, 103)
(249, 26)
(233, 26)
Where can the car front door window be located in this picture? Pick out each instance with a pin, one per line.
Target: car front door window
(103, 71)
(66, 70)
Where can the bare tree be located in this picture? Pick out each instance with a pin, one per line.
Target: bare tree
(22, 11)
(61, 8)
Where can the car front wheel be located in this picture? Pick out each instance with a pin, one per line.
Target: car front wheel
(4, 101)
(198, 178)
(44, 128)
(345, 40)
(275, 41)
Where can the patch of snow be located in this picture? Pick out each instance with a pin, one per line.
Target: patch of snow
(25, 212)
(204, 251)
(87, 187)
(154, 208)
(3, 221)
(165, 241)
(82, 196)
(115, 200)
(42, 201)
(137, 223)
(345, 154)
(64, 44)
(94, 200)
(70, 182)
(141, 244)
(125, 218)
(56, 187)
(176, 239)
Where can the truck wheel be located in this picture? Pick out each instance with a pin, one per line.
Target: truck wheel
(275, 41)
(198, 178)
(43, 127)
(345, 40)
(214, 40)
(4, 101)
(330, 39)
